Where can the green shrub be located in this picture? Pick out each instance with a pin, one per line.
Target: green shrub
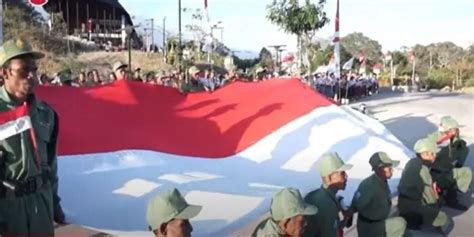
(469, 82)
(440, 78)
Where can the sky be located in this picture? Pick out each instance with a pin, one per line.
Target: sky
(393, 23)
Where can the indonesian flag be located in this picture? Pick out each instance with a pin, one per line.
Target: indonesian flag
(123, 143)
(361, 56)
(376, 68)
(411, 55)
(363, 66)
(388, 56)
(13, 122)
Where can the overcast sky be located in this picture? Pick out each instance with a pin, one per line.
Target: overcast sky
(394, 23)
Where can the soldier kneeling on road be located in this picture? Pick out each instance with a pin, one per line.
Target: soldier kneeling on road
(418, 196)
(447, 170)
(373, 201)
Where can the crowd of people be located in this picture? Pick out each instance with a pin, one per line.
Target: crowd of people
(30, 204)
(193, 79)
(349, 86)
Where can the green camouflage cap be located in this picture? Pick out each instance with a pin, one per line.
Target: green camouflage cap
(288, 203)
(425, 145)
(381, 159)
(17, 47)
(167, 206)
(331, 163)
(193, 70)
(65, 75)
(118, 65)
(448, 123)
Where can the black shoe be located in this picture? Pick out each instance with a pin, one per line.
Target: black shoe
(457, 206)
(59, 216)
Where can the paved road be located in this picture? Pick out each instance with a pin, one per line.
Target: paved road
(413, 116)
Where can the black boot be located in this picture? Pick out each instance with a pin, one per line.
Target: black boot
(59, 216)
(451, 199)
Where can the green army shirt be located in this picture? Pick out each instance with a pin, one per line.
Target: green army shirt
(19, 151)
(372, 199)
(268, 228)
(326, 222)
(416, 182)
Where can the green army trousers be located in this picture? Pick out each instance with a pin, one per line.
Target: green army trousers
(417, 215)
(391, 227)
(28, 216)
(444, 173)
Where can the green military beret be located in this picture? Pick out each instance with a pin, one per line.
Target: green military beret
(448, 123)
(17, 47)
(331, 163)
(288, 203)
(167, 206)
(381, 159)
(425, 145)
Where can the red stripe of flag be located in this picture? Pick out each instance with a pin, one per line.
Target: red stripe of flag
(13, 114)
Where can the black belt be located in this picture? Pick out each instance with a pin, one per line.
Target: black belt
(368, 220)
(29, 186)
(407, 197)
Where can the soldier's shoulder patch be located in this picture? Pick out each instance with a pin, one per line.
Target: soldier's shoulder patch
(357, 195)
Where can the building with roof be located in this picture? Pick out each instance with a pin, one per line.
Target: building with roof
(101, 21)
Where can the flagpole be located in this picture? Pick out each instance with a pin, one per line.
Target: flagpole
(413, 72)
(1, 21)
(337, 52)
(180, 54)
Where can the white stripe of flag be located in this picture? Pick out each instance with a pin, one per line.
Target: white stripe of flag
(13, 122)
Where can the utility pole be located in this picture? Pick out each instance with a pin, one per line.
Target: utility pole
(152, 36)
(164, 37)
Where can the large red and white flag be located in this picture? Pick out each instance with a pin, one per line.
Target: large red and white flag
(230, 151)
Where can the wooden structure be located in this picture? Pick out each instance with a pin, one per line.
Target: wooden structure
(100, 21)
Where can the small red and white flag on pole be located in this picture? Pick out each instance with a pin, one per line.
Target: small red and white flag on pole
(361, 56)
(411, 55)
(388, 56)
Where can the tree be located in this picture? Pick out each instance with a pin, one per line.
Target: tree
(357, 42)
(303, 21)
(199, 33)
(265, 58)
